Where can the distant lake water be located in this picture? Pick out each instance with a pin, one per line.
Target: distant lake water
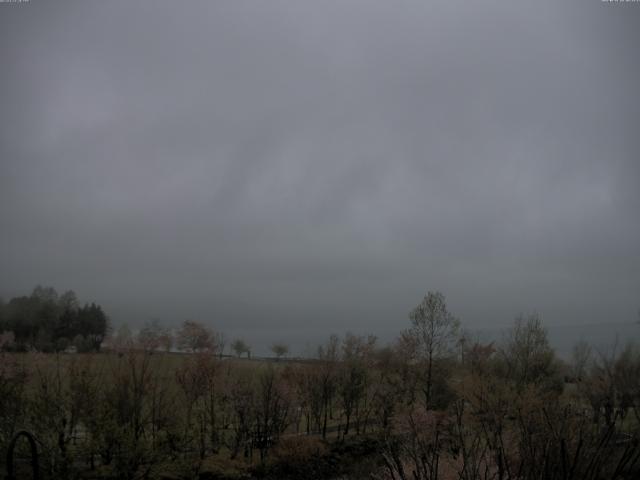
(304, 342)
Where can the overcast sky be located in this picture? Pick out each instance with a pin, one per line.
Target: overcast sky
(293, 168)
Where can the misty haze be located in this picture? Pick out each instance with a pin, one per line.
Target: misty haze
(332, 239)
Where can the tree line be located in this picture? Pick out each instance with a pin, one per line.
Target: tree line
(49, 322)
(46, 321)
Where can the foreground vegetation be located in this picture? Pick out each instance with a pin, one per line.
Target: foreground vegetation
(435, 405)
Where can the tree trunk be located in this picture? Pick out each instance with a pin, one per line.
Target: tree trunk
(429, 381)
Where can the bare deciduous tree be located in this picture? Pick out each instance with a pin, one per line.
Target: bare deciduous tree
(431, 336)
(153, 336)
(280, 350)
(195, 337)
(271, 411)
(580, 358)
(528, 358)
(240, 347)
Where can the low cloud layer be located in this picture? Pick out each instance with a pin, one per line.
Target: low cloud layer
(306, 167)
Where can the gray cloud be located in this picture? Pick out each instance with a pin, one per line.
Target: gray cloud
(314, 166)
